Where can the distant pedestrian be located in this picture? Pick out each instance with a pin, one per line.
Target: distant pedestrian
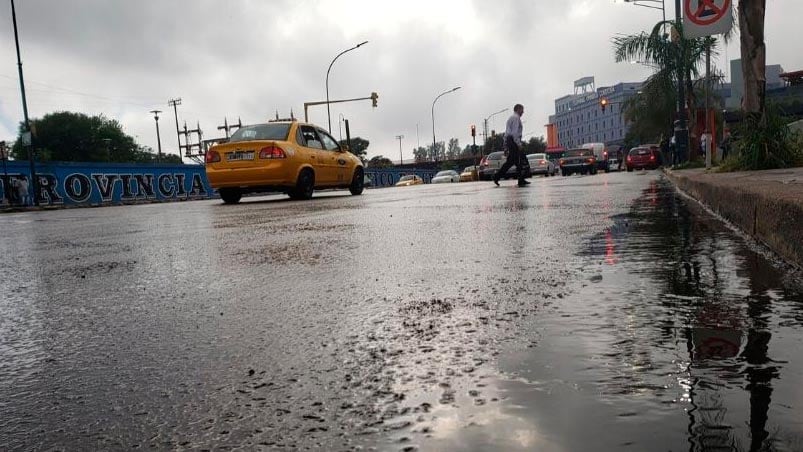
(513, 146)
(22, 191)
(673, 150)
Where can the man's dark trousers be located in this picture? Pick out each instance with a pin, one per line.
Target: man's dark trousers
(513, 156)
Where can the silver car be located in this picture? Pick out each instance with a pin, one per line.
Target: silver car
(492, 162)
(446, 177)
(540, 164)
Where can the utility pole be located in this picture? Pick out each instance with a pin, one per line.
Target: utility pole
(174, 103)
(158, 137)
(226, 127)
(27, 132)
(681, 126)
(401, 158)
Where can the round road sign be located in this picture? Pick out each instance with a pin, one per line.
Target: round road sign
(706, 12)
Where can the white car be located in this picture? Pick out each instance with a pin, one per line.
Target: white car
(540, 164)
(446, 177)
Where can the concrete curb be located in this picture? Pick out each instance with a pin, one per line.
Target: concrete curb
(767, 205)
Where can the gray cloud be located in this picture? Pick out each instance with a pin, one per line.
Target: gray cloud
(251, 58)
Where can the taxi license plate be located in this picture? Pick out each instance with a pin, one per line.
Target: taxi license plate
(240, 155)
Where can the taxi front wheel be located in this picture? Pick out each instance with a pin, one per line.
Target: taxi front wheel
(304, 186)
(357, 182)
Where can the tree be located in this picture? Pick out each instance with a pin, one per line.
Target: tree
(77, 137)
(453, 149)
(536, 145)
(359, 147)
(754, 55)
(683, 60)
(380, 162)
(420, 154)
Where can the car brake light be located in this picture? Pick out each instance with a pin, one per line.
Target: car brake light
(272, 152)
(590, 161)
(484, 162)
(212, 157)
(629, 158)
(605, 153)
(652, 156)
(542, 162)
(561, 162)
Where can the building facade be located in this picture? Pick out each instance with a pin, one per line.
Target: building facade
(579, 117)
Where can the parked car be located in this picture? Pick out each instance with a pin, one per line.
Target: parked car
(281, 156)
(578, 161)
(410, 179)
(540, 164)
(446, 177)
(470, 174)
(643, 158)
(491, 163)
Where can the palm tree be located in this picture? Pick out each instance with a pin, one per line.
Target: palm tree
(754, 55)
(655, 106)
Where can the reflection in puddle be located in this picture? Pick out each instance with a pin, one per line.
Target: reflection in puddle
(686, 340)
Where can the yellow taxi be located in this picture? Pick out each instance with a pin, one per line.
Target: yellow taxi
(281, 156)
(410, 179)
(470, 174)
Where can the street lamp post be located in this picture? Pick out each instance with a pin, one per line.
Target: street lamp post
(158, 137)
(34, 182)
(328, 114)
(401, 157)
(485, 127)
(650, 4)
(434, 145)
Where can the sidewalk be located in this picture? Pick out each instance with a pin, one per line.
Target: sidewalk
(768, 205)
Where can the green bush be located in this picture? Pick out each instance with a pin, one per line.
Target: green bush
(766, 143)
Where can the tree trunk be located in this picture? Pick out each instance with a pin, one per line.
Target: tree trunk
(754, 55)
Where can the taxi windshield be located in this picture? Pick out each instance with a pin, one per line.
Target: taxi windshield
(406, 178)
(261, 132)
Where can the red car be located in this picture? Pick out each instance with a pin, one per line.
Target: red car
(643, 158)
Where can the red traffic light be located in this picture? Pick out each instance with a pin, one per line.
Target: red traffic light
(473, 130)
(603, 103)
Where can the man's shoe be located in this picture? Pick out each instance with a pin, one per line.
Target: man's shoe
(496, 181)
(523, 183)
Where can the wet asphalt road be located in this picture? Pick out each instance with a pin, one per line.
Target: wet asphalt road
(583, 313)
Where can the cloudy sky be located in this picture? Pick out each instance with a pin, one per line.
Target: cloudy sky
(249, 58)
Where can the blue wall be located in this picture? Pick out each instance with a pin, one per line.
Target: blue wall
(66, 183)
(387, 177)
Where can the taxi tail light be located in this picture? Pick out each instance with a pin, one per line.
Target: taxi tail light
(212, 157)
(272, 152)
(542, 162)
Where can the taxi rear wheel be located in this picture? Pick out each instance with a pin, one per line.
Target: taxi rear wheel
(357, 182)
(304, 186)
(230, 195)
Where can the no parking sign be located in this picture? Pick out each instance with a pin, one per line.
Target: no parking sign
(706, 17)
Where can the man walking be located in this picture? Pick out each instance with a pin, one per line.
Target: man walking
(513, 133)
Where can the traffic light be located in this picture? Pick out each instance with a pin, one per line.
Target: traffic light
(473, 130)
(603, 103)
(374, 97)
